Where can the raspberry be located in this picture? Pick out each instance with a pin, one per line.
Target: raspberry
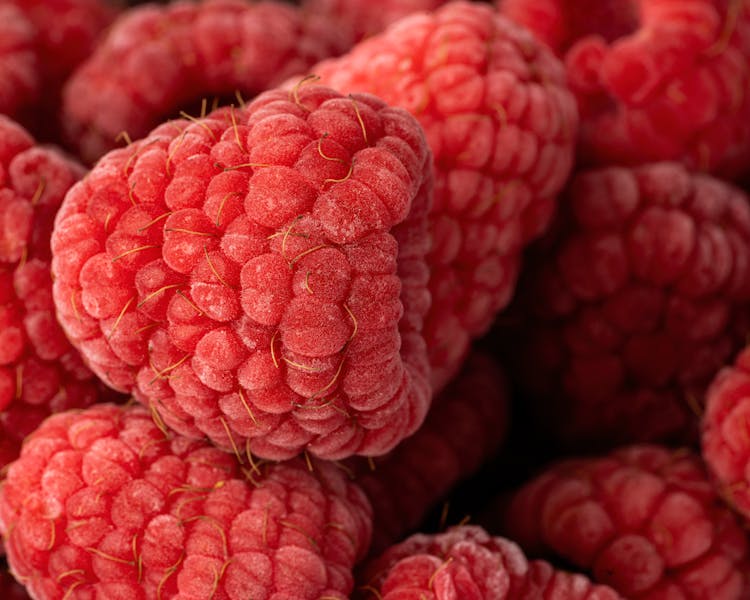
(465, 427)
(58, 36)
(629, 310)
(40, 372)
(102, 504)
(655, 79)
(725, 441)
(361, 19)
(501, 124)
(644, 520)
(258, 276)
(19, 67)
(466, 562)
(169, 57)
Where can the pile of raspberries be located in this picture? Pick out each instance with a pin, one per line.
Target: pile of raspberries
(399, 300)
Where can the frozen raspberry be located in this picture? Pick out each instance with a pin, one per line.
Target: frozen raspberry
(40, 372)
(465, 427)
(103, 504)
(19, 65)
(58, 36)
(634, 304)
(467, 563)
(359, 19)
(158, 60)
(258, 276)
(726, 433)
(501, 124)
(655, 79)
(644, 520)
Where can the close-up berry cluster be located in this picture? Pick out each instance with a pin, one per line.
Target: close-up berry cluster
(375, 300)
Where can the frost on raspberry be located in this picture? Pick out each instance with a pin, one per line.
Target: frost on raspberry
(103, 504)
(465, 428)
(643, 519)
(726, 433)
(171, 57)
(655, 79)
(633, 304)
(40, 372)
(501, 124)
(466, 562)
(258, 276)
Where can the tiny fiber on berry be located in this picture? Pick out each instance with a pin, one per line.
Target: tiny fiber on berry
(169, 58)
(40, 372)
(258, 276)
(103, 504)
(501, 123)
(466, 562)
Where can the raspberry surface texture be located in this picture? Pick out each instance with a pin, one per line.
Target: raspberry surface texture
(632, 304)
(258, 276)
(655, 79)
(644, 520)
(501, 124)
(103, 504)
(19, 65)
(725, 442)
(360, 19)
(465, 428)
(171, 57)
(466, 562)
(40, 372)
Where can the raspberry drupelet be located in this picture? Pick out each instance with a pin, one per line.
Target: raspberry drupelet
(501, 124)
(725, 427)
(643, 519)
(464, 429)
(40, 372)
(632, 304)
(655, 79)
(103, 503)
(258, 276)
(170, 57)
(466, 562)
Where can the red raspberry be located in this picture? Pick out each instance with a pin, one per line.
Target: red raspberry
(361, 19)
(169, 57)
(102, 504)
(19, 67)
(644, 520)
(467, 563)
(58, 36)
(501, 125)
(258, 276)
(632, 307)
(465, 427)
(40, 372)
(655, 79)
(726, 433)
